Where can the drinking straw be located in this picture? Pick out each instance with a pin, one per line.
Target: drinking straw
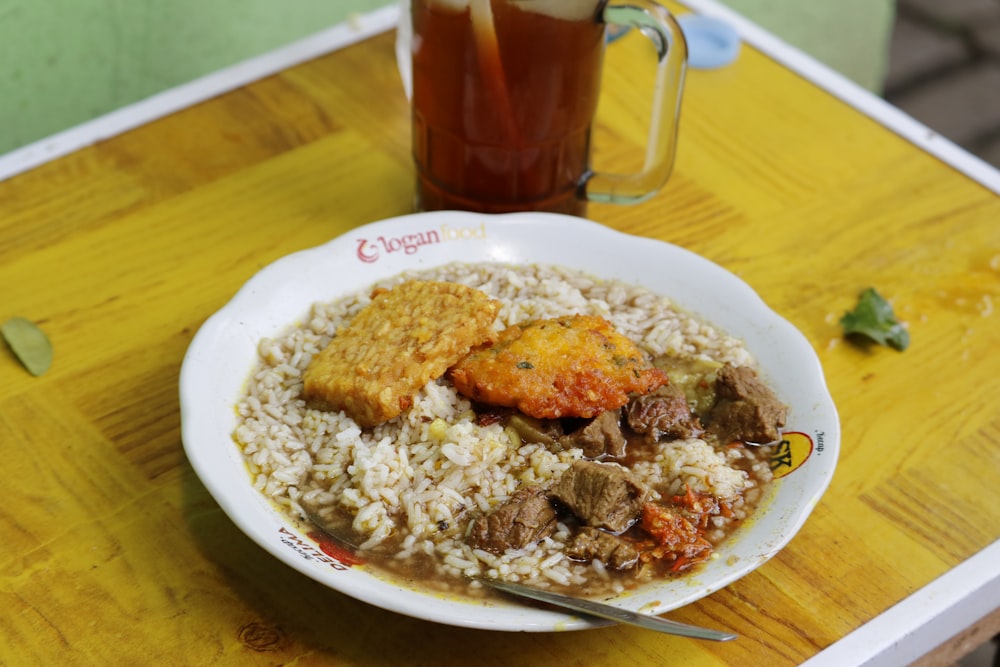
(491, 65)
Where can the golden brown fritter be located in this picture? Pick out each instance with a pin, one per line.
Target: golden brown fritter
(573, 366)
(404, 338)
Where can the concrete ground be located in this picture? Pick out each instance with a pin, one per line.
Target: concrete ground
(944, 70)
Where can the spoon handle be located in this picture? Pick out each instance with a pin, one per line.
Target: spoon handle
(608, 612)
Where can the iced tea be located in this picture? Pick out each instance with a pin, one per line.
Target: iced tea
(504, 93)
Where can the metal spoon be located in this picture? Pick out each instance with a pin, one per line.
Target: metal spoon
(591, 608)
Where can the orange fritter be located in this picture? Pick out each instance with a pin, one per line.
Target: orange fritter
(404, 338)
(573, 366)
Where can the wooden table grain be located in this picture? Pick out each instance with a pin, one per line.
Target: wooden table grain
(113, 551)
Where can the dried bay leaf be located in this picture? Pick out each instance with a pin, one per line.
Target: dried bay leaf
(28, 343)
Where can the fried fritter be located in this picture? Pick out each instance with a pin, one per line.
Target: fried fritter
(404, 338)
(573, 366)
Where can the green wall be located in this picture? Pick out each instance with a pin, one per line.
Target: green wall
(63, 62)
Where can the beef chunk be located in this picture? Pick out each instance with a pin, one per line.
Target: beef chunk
(525, 518)
(664, 413)
(602, 436)
(594, 544)
(603, 495)
(745, 408)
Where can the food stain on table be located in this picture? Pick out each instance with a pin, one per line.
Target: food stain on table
(261, 637)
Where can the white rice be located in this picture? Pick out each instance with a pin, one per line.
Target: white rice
(415, 481)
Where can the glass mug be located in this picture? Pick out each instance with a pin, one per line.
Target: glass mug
(504, 93)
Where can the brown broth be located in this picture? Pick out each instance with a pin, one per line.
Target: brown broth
(420, 570)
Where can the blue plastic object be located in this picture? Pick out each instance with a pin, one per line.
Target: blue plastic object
(711, 43)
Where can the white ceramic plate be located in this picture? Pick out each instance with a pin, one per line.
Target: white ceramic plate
(220, 358)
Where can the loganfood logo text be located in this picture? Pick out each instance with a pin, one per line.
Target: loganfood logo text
(371, 250)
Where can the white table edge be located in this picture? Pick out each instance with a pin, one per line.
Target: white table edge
(917, 624)
(924, 620)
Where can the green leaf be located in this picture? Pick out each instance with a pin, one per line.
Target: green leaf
(29, 344)
(873, 318)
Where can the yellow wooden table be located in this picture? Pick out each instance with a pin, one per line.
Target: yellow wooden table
(113, 553)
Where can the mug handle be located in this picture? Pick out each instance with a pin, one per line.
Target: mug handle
(656, 23)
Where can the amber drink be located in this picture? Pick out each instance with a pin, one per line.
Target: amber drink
(504, 96)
